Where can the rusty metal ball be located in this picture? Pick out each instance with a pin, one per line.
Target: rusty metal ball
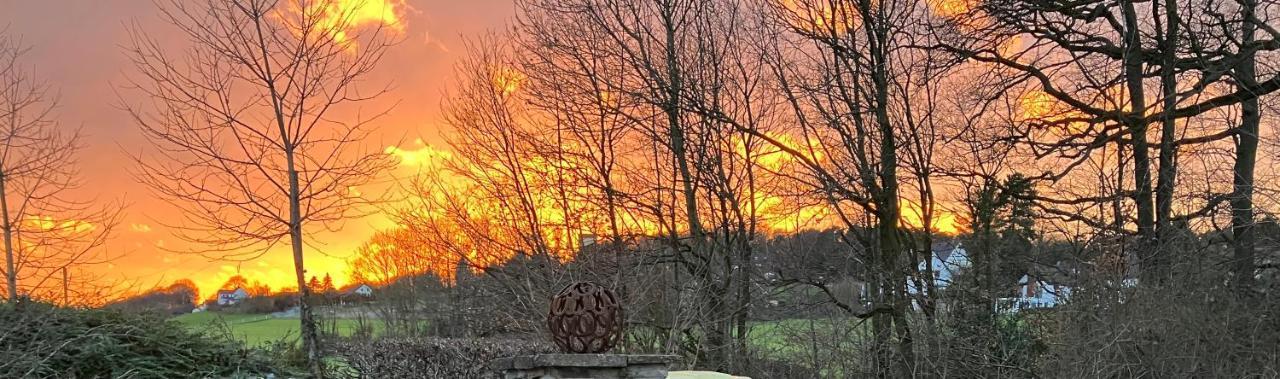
(585, 318)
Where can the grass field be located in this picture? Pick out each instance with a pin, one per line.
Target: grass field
(257, 329)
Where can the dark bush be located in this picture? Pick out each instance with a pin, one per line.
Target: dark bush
(433, 357)
(176, 299)
(42, 341)
(277, 302)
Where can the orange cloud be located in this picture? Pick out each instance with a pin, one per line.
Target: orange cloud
(819, 16)
(47, 223)
(338, 17)
(508, 80)
(943, 221)
(951, 8)
(1038, 106)
(424, 155)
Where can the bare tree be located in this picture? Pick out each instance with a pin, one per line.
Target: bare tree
(1242, 212)
(1112, 76)
(256, 126)
(46, 233)
(397, 253)
(848, 98)
(648, 94)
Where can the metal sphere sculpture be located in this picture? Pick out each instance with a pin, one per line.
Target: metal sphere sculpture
(585, 318)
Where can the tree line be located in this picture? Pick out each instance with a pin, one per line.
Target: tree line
(682, 141)
(1122, 138)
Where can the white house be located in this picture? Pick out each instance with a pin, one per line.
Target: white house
(362, 290)
(231, 297)
(356, 293)
(1035, 292)
(947, 260)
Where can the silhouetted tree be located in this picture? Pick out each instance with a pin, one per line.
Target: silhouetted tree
(46, 233)
(246, 123)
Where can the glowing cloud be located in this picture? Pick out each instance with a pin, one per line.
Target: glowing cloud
(47, 223)
(1037, 104)
(507, 80)
(425, 155)
(943, 222)
(820, 16)
(339, 17)
(951, 8)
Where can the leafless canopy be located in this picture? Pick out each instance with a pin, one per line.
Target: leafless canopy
(49, 236)
(257, 127)
(266, 87)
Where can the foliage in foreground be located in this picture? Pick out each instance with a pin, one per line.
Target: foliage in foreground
(38, 340)
(433, 357)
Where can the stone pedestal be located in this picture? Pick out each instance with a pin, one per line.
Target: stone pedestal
(584, 366)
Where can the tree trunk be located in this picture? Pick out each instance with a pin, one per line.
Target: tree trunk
(310, 338)
(1137, 126)
(1167, 176)
(887, 206)
(930, 287)
(11, 273)
(742, 313)
(716, 335)
(308, 325)
(1242, 223)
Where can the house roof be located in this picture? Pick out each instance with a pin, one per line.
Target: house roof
(352, 288)
(944, 249)
(228, 292)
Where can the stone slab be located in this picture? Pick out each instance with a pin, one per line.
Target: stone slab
(644, 359)
(580, 360)
(621, 366)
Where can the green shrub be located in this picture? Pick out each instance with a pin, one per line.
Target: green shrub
(39, 341)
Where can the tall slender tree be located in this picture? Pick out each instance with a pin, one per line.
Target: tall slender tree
(256, 125)
(1242, 212)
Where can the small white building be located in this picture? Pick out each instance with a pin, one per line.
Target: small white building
(947, 260)
(361, 290)
(355, 293)
(1033, 293)
(231, 297)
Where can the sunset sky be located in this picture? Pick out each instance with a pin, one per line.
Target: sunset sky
(302, 188)
(76, 47)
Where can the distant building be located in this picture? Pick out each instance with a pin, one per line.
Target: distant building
(356, 293)
(1037, 291)
(361, 290)
(947, 260)
(1042, 286)
(231, 297)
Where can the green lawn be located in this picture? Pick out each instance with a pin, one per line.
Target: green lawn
(782, 336)
(257, 329)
